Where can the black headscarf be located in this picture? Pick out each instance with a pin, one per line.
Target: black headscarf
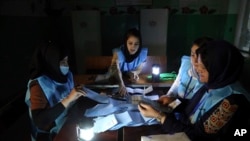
(223, 61)
(131, 32)
(46, 61)
(202, 41)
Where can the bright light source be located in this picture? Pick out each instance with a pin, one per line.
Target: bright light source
(85, 134)
(85, 131)
(155, 72)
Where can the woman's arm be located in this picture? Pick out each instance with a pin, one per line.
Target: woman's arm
(42, 114)
(224, 117)
(115, 71)
(173, 91)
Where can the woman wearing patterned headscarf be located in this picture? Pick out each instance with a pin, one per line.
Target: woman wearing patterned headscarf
(218, 109)
(50, 90)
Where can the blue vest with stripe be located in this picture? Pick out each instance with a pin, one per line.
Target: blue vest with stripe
(126, 67)
(54, 93)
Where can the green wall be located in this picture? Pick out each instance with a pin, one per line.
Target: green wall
(184, 29)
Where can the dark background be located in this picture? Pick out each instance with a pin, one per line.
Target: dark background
(23, 23)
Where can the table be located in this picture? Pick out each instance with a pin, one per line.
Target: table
(68, 130)
(144, 80)
(135, 133)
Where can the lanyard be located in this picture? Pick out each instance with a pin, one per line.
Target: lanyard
(199, 104)
(187, 93)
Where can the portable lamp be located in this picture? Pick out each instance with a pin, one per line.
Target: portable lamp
(84, 130)
(155, 72)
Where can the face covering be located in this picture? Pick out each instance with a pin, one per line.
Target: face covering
(64, 69)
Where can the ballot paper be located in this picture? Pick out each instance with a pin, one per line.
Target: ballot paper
(102, 124)
(113, 106)
(96, 96)
(123, 119)
(139, 90)
(118, 120)
(174, 104)
(152, 97)
(100, 110)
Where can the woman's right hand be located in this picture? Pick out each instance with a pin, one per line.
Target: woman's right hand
(122, 90)
(73, 95)
(133, 77)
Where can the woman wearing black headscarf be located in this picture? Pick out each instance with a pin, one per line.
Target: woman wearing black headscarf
(50, 89)
(128, 58)
(218, 109)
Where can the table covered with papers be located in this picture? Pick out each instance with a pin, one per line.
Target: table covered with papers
(113, 116)
(112, 113)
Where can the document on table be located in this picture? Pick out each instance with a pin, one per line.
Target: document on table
(107, 108)
(96, 96)
(138, 90)
(152, 97)
(100, 110)
(102, 124)
(111, 122)
(123, 119)
(118, 120)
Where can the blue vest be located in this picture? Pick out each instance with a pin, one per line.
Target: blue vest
(214, 96)
(54, 93)
(124, 66)
(188, 82)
